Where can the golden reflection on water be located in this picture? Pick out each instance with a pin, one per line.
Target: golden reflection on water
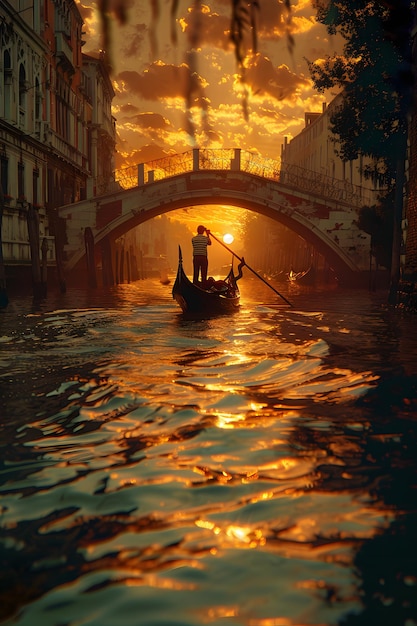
(240, 536)
(232, 420)
(274, 621)
(228, 420)
(225, 463)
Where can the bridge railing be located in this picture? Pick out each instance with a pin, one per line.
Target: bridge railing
(194, 160)
(235, 159)
(326, 186)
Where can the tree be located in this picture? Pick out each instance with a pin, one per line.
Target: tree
(376, 220)
(375, 74)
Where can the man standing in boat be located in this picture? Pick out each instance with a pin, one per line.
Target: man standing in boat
(200, 260)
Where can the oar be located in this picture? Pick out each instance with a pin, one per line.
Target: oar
(249, 268)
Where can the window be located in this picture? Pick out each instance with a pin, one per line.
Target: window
(38, 100)
(4, 175)
(20, 180)
(35, 180)
(22, 96)
(7, 65)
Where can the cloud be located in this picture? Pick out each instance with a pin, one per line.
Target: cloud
(274, 14)
(90, 27)
(277, 82)
(144, 154)
(126, 109)
(207, 28)
(153, 121)
(150, 126)
(160, 80)
(135, 41)
(210, 27)
(191, 95)
(86, 11)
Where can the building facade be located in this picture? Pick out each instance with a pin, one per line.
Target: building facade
(314, 154)
(315, 151)
(98, 93)
(57, 134)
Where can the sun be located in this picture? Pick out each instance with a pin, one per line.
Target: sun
(228, 238)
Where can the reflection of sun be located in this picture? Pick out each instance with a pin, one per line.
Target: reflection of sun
(241, 536)
(228, 238)
(228, 420)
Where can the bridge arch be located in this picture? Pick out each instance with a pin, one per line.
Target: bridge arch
(314, 218)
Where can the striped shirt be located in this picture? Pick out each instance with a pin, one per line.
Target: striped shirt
(200, 243)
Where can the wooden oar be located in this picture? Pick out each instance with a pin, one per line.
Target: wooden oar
(249, 268)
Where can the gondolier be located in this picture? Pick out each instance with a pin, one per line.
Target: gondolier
(216, 296)
(200, 260)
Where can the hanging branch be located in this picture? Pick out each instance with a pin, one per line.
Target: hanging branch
(243, 20)
(105, 11)
(243, 29)
(174, 8)
(152, 29)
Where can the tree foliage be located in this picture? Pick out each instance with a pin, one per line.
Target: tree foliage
(374, 72)
(376, 220)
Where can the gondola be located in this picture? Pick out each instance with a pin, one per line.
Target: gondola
(307, 276)
(221, 296)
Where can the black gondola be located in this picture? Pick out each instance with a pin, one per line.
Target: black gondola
(220, 296)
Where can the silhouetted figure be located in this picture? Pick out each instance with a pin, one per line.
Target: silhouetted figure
(200, 260)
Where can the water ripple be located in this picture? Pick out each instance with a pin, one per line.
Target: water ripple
(189, 472)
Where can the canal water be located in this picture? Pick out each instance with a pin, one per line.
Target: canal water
(256, 469)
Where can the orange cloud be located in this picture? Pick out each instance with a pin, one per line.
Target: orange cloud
(160, 80)
(278, 82)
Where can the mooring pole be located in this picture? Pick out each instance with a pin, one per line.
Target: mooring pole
(89, 251)
(32, 218)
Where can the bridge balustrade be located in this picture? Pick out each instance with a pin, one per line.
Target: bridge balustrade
(237, 160)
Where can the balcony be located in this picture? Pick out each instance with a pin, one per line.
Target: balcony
(64, 52)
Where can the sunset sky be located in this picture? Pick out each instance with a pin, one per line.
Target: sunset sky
(149, 106)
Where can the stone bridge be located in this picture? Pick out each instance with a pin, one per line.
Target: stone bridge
(320, 209)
